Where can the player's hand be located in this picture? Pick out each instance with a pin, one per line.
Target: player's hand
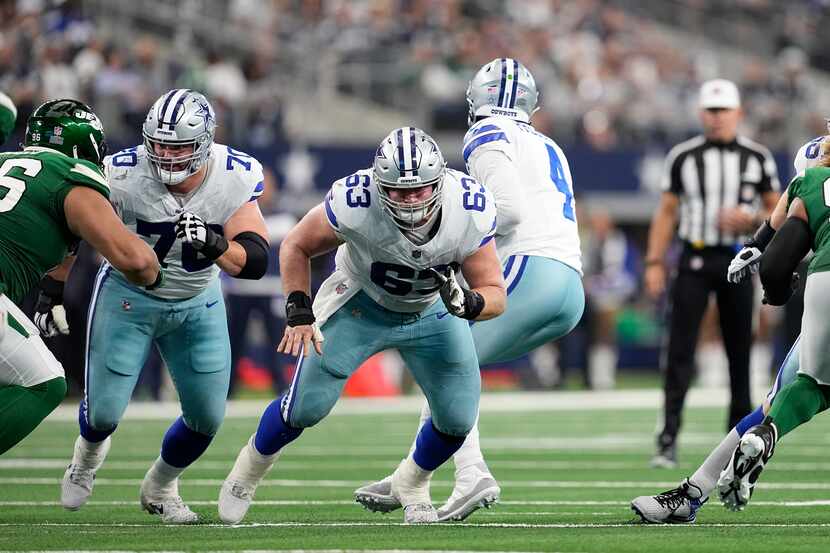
(744, 264)
(655, 280)
(50, 315)
(458, 300)
(302, 335)
(192, 229)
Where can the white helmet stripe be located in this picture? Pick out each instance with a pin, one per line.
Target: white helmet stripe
(405, 149)
(171, 107)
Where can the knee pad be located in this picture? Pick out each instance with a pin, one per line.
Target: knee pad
(205, 423)
(454, 421)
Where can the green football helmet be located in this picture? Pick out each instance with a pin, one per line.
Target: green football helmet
(68, 126)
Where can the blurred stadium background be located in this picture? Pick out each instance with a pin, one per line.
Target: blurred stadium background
(309, 86)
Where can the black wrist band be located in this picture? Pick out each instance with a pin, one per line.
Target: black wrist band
(298, 310)
(215, 247)
(158, 282)
(473, 304)
(762, 238)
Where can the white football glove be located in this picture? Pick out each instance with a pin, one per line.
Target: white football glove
(192, 229)
(744, 264)
(52, 322)
(458, 300)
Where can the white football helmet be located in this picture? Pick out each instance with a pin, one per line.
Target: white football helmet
(409, 158)
(180, 117)
(502, 87)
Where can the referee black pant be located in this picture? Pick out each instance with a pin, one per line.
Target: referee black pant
(700, 272)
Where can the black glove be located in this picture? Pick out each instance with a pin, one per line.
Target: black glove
(458, 300)
(191, 229)
(50, 316)
(298, 310)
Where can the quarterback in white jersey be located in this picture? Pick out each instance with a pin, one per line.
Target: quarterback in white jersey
(680, 505)
(183, 194)
(402, 228)
(537, 242)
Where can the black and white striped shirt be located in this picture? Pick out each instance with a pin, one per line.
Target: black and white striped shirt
(709, 176)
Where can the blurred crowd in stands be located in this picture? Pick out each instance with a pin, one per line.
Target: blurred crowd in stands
(609, 77)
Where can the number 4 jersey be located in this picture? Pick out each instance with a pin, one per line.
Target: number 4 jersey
(378, 259)
(542, 194)
(149, 209)
(34, 235)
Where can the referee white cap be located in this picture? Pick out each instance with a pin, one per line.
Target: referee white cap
(719, 93)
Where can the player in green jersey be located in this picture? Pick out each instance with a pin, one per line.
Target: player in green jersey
(52, 193)
(8, 115)
(806, 227)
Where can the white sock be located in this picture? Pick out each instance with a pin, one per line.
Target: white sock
(164, 477)
(90, 455)
(251, 465)
(469, 453)
(706, 476)
(410, 483)
(425, 414)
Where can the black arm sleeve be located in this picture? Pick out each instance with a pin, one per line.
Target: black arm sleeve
(788, 247)
(256, 251)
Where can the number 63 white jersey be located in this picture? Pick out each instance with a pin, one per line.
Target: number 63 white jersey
(378, 259)
(547, 226)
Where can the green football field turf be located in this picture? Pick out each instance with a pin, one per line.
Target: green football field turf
(567, 478)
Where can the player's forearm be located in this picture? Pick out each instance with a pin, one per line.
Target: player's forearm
(295, 269)
(233, 260)
(495, 301)
(61, 272)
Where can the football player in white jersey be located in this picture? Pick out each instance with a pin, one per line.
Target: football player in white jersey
(402, 230)
(538, 245)
(194, 202)
(680, 505)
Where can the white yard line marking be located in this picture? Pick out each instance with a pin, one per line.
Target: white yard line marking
(325, 502)
(198, 527)
(280, 551)
(212, 482)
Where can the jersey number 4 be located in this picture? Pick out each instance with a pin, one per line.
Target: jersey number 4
(11, 188)
(191, 261)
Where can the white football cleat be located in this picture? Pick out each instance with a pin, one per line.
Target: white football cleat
(377, 496)
(166, 503)
(737, 480)
(419, 513)
(410, 486)
(676, 506)
(474, 488)
(237, 491)
(80, 474)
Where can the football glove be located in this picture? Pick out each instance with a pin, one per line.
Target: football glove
(458, 300)
(744, 264)
(192, 229)
(50, 316)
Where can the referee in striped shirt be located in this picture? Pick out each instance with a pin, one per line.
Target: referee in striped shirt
(717, 188)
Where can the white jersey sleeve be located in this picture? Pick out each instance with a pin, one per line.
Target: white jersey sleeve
(531, 181)
(347, 202)
(810, 154)
(149, 209)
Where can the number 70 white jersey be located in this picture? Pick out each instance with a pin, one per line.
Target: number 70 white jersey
(547, 227)
(147, 208)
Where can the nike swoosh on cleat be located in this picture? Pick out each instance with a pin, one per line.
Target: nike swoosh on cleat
(211, 304)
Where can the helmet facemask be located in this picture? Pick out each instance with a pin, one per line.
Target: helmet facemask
(409, 159)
